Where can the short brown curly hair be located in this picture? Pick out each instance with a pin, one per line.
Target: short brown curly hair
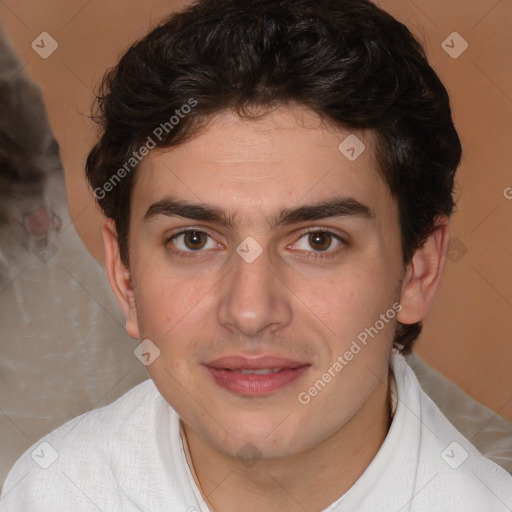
(347, 60)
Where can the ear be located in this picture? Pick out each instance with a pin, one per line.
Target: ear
(423, 274)
(119, 278)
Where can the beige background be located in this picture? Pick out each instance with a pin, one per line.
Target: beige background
(466, 335)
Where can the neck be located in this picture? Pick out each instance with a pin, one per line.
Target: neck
(310, 480)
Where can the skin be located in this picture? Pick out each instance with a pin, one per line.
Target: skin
(286, 303)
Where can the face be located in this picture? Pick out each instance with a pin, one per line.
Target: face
(254, 300)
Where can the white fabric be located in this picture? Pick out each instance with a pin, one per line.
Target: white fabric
(128, 456)
(486, 429)
(63, 345)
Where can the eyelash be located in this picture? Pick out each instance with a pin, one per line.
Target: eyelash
(301, 234)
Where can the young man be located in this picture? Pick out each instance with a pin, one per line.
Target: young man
(276, 177)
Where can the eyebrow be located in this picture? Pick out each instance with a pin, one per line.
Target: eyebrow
(335, 207)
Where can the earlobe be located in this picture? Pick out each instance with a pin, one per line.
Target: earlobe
(119, 278)
(423, 274)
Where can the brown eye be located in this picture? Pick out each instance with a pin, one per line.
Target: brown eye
(190, 241)
(194, 239)
(320, 240)
(319, 243)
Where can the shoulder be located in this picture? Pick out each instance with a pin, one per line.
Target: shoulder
(86, 451)
(450, 466)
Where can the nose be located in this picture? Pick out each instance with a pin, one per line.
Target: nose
(254, 298)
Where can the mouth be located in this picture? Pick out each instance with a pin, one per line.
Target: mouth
(257, 376)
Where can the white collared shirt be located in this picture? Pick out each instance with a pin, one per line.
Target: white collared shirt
(129, 456)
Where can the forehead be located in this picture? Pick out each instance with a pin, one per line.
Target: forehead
(249, 167)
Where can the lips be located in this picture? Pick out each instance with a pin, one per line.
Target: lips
(255, 376)
(254, 363)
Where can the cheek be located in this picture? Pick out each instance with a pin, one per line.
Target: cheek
(347, 299)
(168, 310)
(166, 304)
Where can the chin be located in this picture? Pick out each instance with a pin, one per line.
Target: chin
(273, 437)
